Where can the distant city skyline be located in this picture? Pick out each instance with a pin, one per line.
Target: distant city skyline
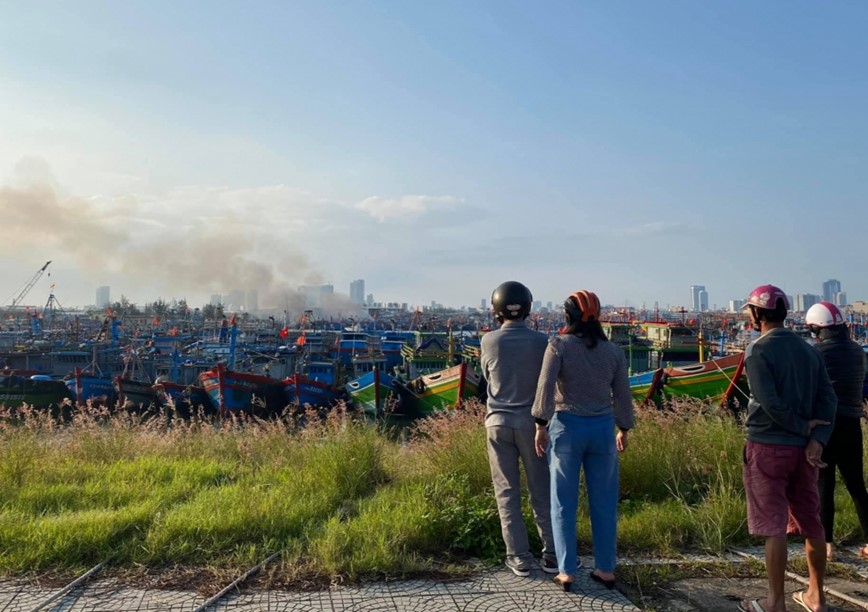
(181, 150)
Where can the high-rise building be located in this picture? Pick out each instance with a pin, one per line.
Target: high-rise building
(103, 297)
(357, 291)
(802, 301)
(483, 304)
(698, 298)
(839, 298)
(735, 305)
(830, 288)
(369, 300)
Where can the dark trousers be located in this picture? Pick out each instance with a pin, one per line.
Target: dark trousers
(844, 452)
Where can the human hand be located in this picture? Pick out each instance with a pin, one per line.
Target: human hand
(814, 454)
(621, 439)
(541, 441)
(814, 423)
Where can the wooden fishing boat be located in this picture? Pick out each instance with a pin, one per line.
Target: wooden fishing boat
(132, 393)
(237, 391)
(37, 390)
(90, 387)
(440, 390)
(716, 379)
(372, 391)
(705, 380)
(187, 399)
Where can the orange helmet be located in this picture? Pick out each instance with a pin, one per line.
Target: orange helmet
(582, 305)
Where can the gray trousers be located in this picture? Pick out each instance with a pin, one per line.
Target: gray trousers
(506, 446)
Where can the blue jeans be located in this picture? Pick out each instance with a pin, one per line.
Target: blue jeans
(584, 442)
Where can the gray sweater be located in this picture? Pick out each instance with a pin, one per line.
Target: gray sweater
(511, 358)
(789, 386)
(584, 381)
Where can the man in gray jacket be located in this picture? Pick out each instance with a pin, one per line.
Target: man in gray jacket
(789, 420)
(511, 358)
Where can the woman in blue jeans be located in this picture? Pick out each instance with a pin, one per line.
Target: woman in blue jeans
(583, 411)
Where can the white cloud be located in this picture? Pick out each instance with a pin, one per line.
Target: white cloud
(405, 207)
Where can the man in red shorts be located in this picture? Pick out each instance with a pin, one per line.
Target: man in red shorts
(790, 414)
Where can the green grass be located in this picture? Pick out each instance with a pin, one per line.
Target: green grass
(343, 498)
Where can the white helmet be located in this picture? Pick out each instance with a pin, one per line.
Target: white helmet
(824, 314)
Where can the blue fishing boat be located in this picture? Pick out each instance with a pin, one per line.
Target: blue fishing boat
(88, 387)
(239, 391)
(315, 386)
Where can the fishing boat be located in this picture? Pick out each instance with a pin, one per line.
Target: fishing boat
(132, 393)
(716, 379)
(705, 380)
(187, 399)
(440, 390)
(231, 391)
(38, 391)
(372, 391)
(371, 388)
(90, 387)
(314, 385)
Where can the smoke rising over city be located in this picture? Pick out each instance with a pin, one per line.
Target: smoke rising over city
(120, 237)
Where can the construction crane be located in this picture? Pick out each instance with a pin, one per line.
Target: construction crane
(21, 294)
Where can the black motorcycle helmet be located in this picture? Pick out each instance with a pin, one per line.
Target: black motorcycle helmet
(511, 301)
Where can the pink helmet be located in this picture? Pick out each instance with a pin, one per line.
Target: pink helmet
(766, 297)
(824, 314)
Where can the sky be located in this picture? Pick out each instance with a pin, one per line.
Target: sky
(434, 149)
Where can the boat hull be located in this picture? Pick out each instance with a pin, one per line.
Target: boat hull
(237, 391)
(708, 380)
(441, 390)
(299, 390)
(371, 392)
(16, 391)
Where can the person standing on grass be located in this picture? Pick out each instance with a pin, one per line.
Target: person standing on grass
(582, 396)
(789, 420)
(845, 363)
(511, 358)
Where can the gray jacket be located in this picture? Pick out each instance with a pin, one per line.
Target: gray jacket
(511, 358)
(789, 386)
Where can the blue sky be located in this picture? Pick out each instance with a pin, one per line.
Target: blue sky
(434, 148)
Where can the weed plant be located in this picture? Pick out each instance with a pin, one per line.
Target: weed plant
(342, 497)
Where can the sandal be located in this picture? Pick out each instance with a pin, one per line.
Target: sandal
(609, 584)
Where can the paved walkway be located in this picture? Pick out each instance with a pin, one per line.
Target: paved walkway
(496, 590)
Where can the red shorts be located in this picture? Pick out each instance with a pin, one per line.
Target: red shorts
(781, 490)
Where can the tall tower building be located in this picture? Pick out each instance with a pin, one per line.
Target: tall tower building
(103, 297)
(357, 291)
(830, 288)
(698, 298)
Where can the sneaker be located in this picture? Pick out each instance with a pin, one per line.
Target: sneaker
(518, 568)
(550, 565)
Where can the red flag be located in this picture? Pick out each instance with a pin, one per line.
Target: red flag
(232, 320)
(156, 321)
(284, 332)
